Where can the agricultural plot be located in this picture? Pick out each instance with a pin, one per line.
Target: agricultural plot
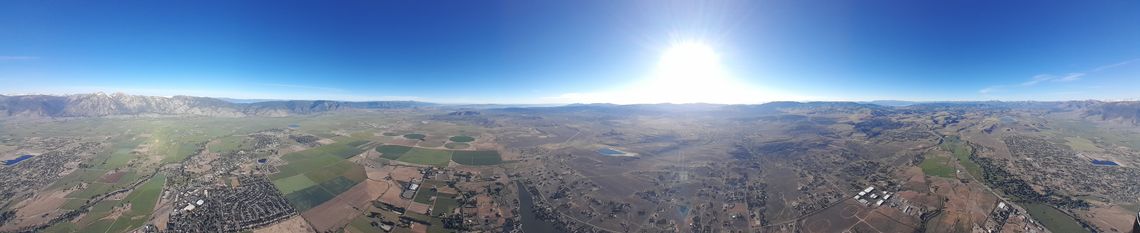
(307, 198)
(337, 185)
(444, 205)
(293, 183)
(937, 166)
(456, 145)
(228, 144)
(462, 139)
(488, 157)
(963, 153)
(415, 136)
(438, 158)
(392, 152)
(330, 172)
(316, 158)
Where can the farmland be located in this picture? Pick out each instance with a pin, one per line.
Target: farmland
(477, 157)
(438, 158)
(461, 139)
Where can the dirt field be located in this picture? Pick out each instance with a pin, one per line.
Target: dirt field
(392, 197)
(362, 194)
(968, 205)
(112, 178)
(32, 210)
(296, 224)
(418, 207)
(1110, 219)
(330, 215)
(405, 173)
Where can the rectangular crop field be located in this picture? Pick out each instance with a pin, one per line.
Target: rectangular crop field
(293, 183)
(438, 158)
(323, 174)
(307, 198)
(337, 185)
(485, 157)
(444, 205)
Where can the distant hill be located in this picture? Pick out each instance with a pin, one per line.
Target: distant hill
(118, 104)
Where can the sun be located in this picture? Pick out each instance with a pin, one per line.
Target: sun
(690, 72)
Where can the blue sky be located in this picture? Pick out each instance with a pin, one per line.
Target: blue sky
(571, 51)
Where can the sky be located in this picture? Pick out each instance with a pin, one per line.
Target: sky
(526, 52)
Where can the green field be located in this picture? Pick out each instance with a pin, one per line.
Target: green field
(1082, 144)
(293, 183)
(962, 152)
(228, 144)
(462, 139)
(937, 166)
(392, 151)
(93, 189)
(73, 204)
(145, 197)
(456, 145)
(317, 158)
(487, 157)
(438, 158)
(337, 185)
(444, 205)
(1053, 219)
(305, 199)
(327, 173)
(415, 136)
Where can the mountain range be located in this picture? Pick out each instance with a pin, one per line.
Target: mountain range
(119, 104)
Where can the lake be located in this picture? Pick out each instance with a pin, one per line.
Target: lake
(17, 160)
(526, 209)
(1104, 162)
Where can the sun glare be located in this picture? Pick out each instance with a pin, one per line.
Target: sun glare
(691, 72)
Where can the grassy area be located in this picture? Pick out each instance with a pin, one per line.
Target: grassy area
(462, 139)
(93, 189)
(74, 203)
(337, 185)
(438, 158)
(392, 151)
(937, 166)
(415, 136)
(293, 183)
(307, 198)
(1053, 219)
(963, 152)
(487, 157)
(444, 205)
(317, 158)
(1082, 144)
(327, 173)
(456, 145)
(228, 144)
(145, 197)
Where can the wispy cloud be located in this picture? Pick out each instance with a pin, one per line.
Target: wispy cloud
(1042, 78)
(1118, 64)
(1053, 78)
(18, 58)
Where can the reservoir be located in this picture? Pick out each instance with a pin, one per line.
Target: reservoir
(17, 160)
(526, 208)
(1104, 162)
(610, 152)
